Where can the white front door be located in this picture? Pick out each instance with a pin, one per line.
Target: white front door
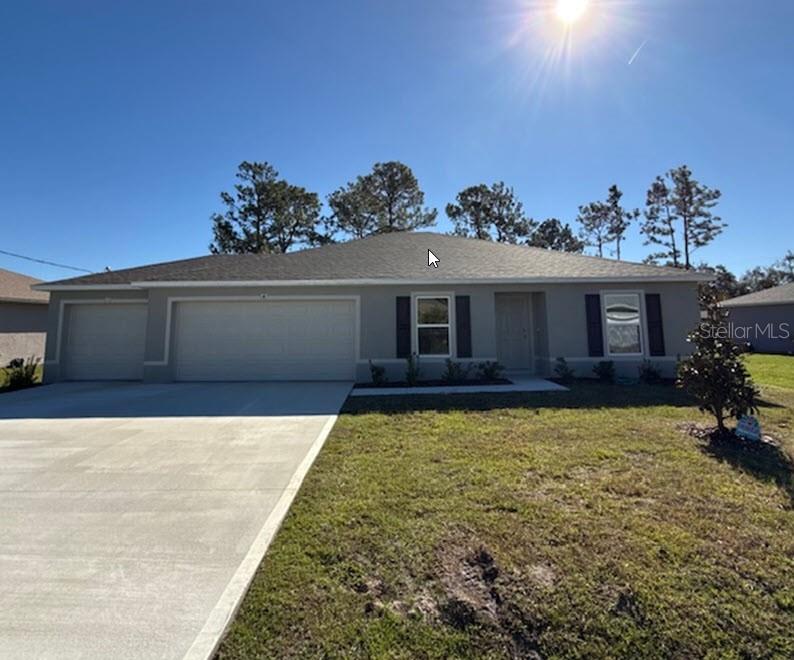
(513, 330)
(265, 340)
(104, 341)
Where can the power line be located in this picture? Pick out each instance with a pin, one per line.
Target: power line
(44, 261)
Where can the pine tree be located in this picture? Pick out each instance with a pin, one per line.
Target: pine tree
(679, 204)
(491, 213)
(265, 214)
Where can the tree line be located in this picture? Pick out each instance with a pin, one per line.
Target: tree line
(267, 214)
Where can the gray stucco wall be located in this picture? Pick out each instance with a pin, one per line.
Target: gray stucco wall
(768, 328)
(558, 312)
(22, 330)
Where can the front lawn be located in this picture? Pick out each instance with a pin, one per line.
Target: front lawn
(586, 523)
(775, 370)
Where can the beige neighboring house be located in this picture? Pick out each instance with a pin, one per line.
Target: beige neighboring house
(23, 317)
(326, 313)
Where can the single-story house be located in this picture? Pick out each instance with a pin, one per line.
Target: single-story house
(764, 319)
(327, 312)
(23, 317)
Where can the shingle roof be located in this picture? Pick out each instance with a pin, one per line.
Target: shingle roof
(398, 257)
(15, 287)
(779, 295)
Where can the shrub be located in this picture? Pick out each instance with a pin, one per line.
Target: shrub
(455, 372)
(563, 372)
(490, 370)
(715, 374)
(649, 374)
(21, 373)
(412, 370)
(378, 374)
(605, 371)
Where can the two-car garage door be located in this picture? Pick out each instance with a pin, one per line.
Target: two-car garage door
(217, 340)
(264, 340)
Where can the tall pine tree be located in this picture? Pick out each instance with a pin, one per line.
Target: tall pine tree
(264, 214)
(678, 204)
(491, 213)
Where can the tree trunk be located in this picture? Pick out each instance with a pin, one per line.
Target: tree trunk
(673, 245)
(687, 265)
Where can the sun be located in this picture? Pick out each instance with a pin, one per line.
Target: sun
(570, 11)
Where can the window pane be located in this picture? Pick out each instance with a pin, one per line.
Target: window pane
(433, 341)
(623, 338)
(623, 308)
(432, 310)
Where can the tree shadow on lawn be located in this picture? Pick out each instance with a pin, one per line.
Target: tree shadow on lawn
(766, 461)
(580, 396)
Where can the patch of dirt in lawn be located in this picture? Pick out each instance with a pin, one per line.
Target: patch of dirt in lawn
(477, 591)
(471, 591)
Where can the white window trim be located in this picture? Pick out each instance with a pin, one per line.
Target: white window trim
(450, 325)
(605, 323)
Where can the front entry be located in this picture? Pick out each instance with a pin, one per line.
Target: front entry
(513, 330)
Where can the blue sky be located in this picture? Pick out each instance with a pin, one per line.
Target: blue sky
(121, 122)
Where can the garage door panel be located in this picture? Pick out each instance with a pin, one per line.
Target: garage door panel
(265, 340)
(105, 341)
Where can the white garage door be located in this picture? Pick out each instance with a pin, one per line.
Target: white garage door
(105, 341)
(265, 340)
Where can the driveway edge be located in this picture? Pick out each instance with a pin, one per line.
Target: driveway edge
(209, 638)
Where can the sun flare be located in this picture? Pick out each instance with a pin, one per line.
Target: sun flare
(570, 11)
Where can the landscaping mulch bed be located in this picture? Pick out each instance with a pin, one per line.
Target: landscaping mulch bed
(474, 382)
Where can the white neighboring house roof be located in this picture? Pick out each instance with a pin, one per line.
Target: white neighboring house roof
(395, 258)
(778, 295)
(16, 288)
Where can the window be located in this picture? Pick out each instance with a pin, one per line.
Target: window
(432, 325)
(624, 325)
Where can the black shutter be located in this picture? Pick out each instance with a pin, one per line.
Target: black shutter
(595, 334)
(403, 326)
(463, 326)
(653, 312)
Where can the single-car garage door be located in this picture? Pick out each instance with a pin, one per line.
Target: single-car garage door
(105, 341)
(265, 340)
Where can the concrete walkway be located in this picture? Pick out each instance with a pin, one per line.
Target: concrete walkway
(132, 517)
(520, 383)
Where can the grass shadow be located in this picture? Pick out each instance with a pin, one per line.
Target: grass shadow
(765, 461)
(579, 396)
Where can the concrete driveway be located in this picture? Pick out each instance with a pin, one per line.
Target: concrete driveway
(132, 516)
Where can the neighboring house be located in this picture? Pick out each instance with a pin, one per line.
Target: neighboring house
(23, 317)
(764, 319)
(325, 313)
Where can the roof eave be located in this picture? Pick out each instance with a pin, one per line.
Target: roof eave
(23, 301)
(170, 284)
(760, 303)
(83, 287)
(418, 281)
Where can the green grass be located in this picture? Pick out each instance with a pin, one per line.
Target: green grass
(581, 524)
(774, 370)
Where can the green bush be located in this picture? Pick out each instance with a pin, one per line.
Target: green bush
(21, 373)
(562, 372)
(715, 374)
(649, 374)
(455, 372)
(378, 374)
(412, 371)
(490, 370)
(605, 371)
